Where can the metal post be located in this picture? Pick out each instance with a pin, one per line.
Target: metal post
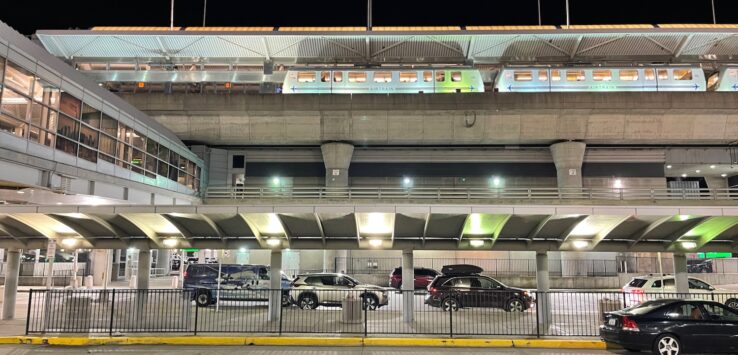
(197, 311)
(366, 318)
(714, 17)
(568, 22)
(540, 23)
(220, 277)
(50, 256)
(369, 15)
(28, 312)
(112, 314)
(171, 17)
(451, 321)
(204, 12)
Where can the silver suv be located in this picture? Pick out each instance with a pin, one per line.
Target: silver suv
(329, 289)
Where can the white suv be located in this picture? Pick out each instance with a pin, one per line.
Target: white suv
(329, 289)
(652, 286)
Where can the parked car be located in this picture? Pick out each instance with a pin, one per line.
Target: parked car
(461, 286)
(644, 288)
(325, 289)
(237, 283)
(673, 327)
(423, 277)
(699, 266)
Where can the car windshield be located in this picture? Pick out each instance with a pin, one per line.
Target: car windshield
(352, 279)
(646, 307)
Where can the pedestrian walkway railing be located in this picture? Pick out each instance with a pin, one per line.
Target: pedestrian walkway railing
(359, 311)
(452, 193)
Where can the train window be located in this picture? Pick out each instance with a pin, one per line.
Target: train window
(325, 76)
(663, 74)
(357, 77)
(408, 77)
(733, 73)
(337, 76)
(601, 75)
(542, 75)
(628, 74)
(382, 77)
(456, 76)
(649, 74)
(682, 74)
(555, 75)
(523, 75)
(440, 76)
(427, 76)
(305, 77)
(575, 75)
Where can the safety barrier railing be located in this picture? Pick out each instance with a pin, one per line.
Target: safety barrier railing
(358, 311)
(446, 193)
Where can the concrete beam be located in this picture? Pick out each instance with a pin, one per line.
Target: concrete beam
(337, 158)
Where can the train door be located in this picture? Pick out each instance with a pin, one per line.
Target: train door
(650, 82)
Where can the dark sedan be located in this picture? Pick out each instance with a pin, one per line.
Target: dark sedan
(673, 327)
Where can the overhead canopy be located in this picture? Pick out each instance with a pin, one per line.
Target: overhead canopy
(344, 226)
(474, 44)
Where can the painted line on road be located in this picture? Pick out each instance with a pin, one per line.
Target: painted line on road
(310, 341)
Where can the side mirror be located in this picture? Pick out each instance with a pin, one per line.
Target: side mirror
(711, 288)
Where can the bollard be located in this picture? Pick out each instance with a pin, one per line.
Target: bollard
(89, 281)
(175, 281)
(351, 308)
(132, 282)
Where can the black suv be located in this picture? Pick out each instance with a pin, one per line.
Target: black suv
(461, 286)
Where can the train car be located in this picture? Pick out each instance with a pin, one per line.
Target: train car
(726, 79)
(600, 79)
(382, 81)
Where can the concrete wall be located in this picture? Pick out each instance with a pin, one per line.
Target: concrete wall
(487, 118)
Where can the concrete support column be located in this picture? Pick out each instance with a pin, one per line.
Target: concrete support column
(408, 286)
(144, 269)
(12, 271)
(543, 283)
(568, 158)
(337, 158)
(275, 285)
(329, 261)
(680, 273)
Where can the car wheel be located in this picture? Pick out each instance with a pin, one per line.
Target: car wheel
(203, 298)
(370, 302)
(308, 301)
(515, 305)
(450, 304)
(667, 345)
(286, 300)
(732, 303)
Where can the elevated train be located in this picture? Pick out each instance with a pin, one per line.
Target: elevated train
(510, 79)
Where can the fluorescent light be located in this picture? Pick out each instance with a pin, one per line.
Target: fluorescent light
(580, 244)
(668, 166)
(476, 243)
(684, 175)
(723, 175)
(407, 181)
(242, 250)
(375, 242)
(20, 192)
(275, 180)
(712, 166)
(171, 242)
(683, 217)
(689, 245)
(69, 242)
(618, 184)
(697, 171)
(496, 181)
(273, 242)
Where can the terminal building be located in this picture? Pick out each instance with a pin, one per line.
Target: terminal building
(551, 157)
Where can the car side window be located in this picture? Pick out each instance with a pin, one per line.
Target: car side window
(685, 311)
(263, 274)
(656, 284)
(720, 312)
(342, 281)
(462, 282)
(314, 281)
(698, 285)
(489, 284)
(328, 280)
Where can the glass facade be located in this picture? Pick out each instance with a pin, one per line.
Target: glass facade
(36, 109)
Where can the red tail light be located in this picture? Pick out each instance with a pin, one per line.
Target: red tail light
(637, 291)
(432, 290)
(184, 274)
(630, 324)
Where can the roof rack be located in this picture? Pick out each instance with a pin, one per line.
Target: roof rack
(461, 269)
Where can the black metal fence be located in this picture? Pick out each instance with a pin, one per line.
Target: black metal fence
(360, 312)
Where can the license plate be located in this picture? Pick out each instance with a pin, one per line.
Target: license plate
(612, 322)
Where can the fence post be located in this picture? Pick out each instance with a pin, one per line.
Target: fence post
(450, 320)
(624, 300)
(112, 314)
(538, 319)
(197, 310)
(366, 317)
(28, 312)
(281, 313)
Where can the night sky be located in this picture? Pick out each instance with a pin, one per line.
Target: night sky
(28, 16)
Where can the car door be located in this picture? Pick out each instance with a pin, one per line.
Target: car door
(329, 292)
(722, 327)
(490, 293)
(461, 290)
(688, 321)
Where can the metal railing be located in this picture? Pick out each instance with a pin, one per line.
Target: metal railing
(491, 267)
(117, 311)
(453, 193)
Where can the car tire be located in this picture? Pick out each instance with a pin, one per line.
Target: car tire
(203, 298)
(307, 301)
(286, 302)
(369, 301)
(667, 344)
(514, 305)
(732, 303)
(451, 304)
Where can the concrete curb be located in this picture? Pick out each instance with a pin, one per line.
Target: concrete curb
(310, 341)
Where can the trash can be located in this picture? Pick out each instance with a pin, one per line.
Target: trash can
(351, 308)
(607, 305)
